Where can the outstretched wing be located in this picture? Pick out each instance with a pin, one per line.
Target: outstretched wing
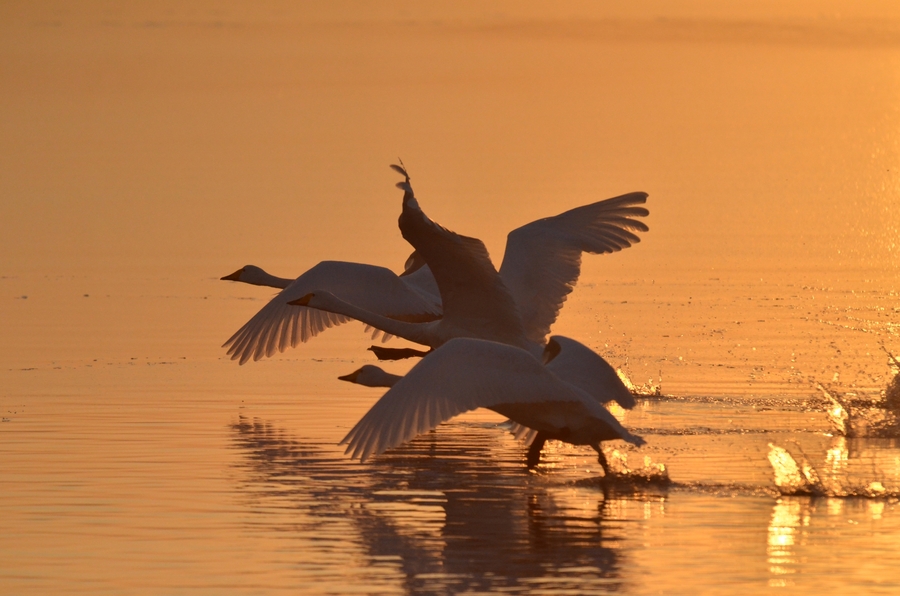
(279, 325)
(462, 375)
(473, 295)
(542, 261)
(577, 364)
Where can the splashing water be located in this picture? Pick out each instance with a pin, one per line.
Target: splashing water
(852, 416)
(792, 478)
(649, 472)
(800, 478)
(838, 413)
(645, 389)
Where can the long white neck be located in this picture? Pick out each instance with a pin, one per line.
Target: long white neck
(420, 333)
(256, 276)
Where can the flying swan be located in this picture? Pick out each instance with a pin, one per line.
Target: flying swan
(465, 374)
(516, 305)
(582, 368)
(412, 296)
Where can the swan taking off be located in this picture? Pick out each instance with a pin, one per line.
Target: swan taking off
(465, 374)
(516, 305)
(411, 296)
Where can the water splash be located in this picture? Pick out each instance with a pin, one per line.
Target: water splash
(649, 472)
(645, 389)
(801, 478)
(862, 417)
(791, 477)
(838, 413)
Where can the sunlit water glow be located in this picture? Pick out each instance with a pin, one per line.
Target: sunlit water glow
(149, 149)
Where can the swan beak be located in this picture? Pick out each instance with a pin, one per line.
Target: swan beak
(236, 276)
(302, 301)
(351, 378)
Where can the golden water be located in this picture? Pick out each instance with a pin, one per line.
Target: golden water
(148, 150)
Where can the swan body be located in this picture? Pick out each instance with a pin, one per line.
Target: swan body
(279, 325)
(540, 267)
(465, 374)
(567, 358)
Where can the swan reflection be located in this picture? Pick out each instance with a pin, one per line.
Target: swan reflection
(442, 515)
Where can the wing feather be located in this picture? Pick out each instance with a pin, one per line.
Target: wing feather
(582, 367)
(462, 375)
(542, 261)
(278, 325)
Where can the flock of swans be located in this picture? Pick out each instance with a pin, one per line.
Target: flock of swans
(486, 330)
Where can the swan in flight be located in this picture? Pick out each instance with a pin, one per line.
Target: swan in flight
(516, 305)
(568, 359)
(411, 296)
(540, 267)
(465, 374)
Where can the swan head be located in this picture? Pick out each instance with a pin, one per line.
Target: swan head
(236, 276)
(251, 274)
(370, 376)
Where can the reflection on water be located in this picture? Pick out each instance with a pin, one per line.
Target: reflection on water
(456, 511)
(836, 457)
(788, 519)
(448, 516)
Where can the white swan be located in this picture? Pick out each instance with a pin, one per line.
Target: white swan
(411, 296)
(516, 305)
(540, 267)
(567, 358)
(465, 374)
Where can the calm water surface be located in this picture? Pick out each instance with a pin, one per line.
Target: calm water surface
(148, 151)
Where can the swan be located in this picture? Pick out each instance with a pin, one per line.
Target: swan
(411, 296)
(465, 374)
(540, 268)
(516, 305)
(567, 358)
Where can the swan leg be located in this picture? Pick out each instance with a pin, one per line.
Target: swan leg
(602, 459)
(534, 451)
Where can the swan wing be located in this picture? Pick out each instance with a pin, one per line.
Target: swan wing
(279, 325)
(473, 296)
(422, 281)
(542, 261)
(462, 375)
(577, 364)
